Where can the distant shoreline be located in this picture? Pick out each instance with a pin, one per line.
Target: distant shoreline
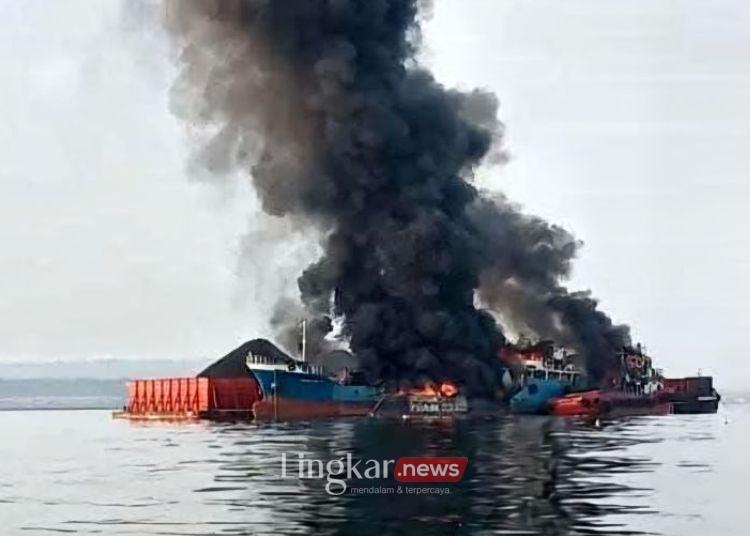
(61, 394)
(92, 408)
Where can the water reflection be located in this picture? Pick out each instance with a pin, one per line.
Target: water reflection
(526, 475)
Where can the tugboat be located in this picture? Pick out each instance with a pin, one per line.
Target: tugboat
(634, 389)
(543, 372)
(639, 389)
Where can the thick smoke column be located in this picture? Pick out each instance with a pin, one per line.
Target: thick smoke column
(527, 260)
(324, 104)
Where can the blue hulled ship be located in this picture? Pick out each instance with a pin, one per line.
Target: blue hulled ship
(296, 389)
(542, 372)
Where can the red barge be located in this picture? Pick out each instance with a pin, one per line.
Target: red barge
(191, 399)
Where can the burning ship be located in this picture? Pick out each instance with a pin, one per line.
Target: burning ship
(373, 154)
(632, 389)
(637, 388)
(436, 399)
(259, 381)
(540, 371)
(547, 379)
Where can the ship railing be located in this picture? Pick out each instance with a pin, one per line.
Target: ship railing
(308, 368)
(554, 374)
(256, 359)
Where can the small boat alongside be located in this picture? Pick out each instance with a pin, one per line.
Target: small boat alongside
(598, 403)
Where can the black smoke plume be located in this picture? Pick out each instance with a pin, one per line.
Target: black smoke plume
(323, 103)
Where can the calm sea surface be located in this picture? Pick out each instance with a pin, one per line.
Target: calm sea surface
(83, 472)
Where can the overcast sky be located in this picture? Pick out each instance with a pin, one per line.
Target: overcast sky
(627, 122)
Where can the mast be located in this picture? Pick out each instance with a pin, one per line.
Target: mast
(304, 339)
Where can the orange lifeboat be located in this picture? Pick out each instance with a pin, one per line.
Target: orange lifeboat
(609, 403)
(586, 403)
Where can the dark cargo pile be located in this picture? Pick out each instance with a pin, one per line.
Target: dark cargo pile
(233, 365)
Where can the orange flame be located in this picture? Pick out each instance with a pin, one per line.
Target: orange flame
(446, 389)
(449, 389)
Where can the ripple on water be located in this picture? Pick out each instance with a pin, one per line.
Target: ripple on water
(526, 475)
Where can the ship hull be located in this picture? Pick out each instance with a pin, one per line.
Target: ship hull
(296, 409)
(711, 405)
(694, 394)
(600, 403)
(291, 395)
(402, 405)
(534, 397)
